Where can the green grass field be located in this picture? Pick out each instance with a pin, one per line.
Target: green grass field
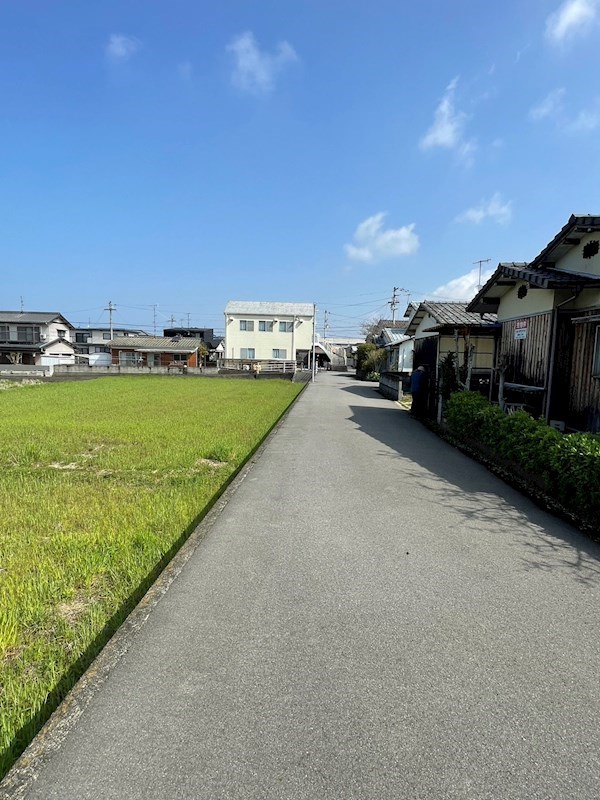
(99, 482)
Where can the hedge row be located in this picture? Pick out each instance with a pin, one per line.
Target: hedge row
(566, 467)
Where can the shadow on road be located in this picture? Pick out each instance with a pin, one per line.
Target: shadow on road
(482, 499)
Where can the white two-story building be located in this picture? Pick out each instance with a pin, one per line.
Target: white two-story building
(39, 338)
(263, 331)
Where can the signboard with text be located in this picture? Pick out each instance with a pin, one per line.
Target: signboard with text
(521, 329)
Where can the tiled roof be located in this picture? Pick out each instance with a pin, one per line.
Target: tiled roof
(548, 278)
(455, 314)
(268, 309)
(32, 317)
(183, 344)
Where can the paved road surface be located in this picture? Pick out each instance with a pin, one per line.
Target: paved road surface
(372, 617)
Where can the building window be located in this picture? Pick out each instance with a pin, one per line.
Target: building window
(28, 333)
(106, 335)
(246, 324)
(61, 333)
(83, 337)
(247, 352)
(596, 368)
(84, 350)
(279, 353)
(286, 327)
(180, 357)
(127, 359)
(99, 349)
(4, 333)
(265, 325)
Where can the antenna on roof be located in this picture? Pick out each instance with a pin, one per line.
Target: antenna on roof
(480, 262)
(21, 304)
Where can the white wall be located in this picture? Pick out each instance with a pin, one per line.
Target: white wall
(574, 260)
(264, 342)
(535, 301)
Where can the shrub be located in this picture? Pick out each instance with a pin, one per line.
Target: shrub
(567, 467)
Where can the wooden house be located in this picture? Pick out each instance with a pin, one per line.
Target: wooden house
(548, 353)
(440, 328)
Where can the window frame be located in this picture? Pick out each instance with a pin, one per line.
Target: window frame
(247, 325)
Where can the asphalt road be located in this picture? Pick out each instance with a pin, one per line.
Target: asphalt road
(373, 616)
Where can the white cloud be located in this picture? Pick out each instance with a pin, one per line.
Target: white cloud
(121, 48)
(254, 70)
(550, 105)
(373, 243)
(584, 122)
(447, 129)
(494, 209)
(571, 18)
(463, 288)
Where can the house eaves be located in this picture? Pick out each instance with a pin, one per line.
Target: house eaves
(506, 276)
(449, 314)
(568, 237)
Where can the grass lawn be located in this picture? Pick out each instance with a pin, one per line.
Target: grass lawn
(99, 481)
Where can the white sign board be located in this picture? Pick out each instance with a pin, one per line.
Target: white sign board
(521, 329)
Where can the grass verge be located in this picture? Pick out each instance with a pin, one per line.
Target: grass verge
(101, 482)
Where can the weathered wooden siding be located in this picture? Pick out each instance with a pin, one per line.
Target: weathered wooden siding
(584, 396)
(526, 359)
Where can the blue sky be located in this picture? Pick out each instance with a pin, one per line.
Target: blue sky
(170, 157)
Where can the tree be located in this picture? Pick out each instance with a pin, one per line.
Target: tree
(369, 358)
(371, 328)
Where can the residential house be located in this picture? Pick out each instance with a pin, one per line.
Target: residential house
(92, 343)
(548, 355)
(268, 332)
(440, 328)
(177, 352)
(397, 367)
(39, 338)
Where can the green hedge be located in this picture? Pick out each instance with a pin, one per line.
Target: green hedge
(566, 467)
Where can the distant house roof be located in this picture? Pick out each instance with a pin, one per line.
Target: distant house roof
(268, 309)
(448, 315)
(32, 317)
(393, 335)
(115, 328)
(157, 344)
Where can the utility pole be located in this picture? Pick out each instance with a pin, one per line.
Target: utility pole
(154, 318)
(393, 303)
(314, 344)
(172, 321)
(110, 310)
(188, 316)
(21, 304)
(325, 325)
(480, 262)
